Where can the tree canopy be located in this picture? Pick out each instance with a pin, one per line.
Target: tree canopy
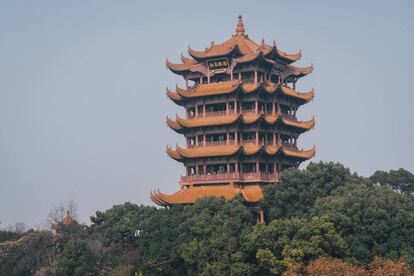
(323, 220)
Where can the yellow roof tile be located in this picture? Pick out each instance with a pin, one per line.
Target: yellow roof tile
(190, 195)
(208, 151)
(215, 88)
(208, 121)
(299, 124)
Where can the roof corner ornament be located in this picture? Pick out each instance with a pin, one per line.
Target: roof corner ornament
(240, 26)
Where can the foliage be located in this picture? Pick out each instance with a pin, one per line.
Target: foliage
(77, 259)
(399, 180)
(27, 254)
(285, 242)
(323, 220)
(375, 221)
(211, 237)
(9, 236)
(298, 191)
(328, 267)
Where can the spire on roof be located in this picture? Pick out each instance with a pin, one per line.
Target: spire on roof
(240, 26)
(67, 219)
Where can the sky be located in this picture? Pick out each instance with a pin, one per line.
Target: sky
(83, 104)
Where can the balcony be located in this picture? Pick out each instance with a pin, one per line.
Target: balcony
(210, 114)
(227, 177)
(216, 143)
(244, 142)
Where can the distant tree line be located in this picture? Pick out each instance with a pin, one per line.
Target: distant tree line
(323, 220)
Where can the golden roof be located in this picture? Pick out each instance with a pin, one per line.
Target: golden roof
(306, 96)
(251, 149)
(250, 118)
(253, 57)
(67, 219)
(299, 124)
(238, 43)
(272, 150)
(246, 46)
(174, 96)
(208, 121)
(224, 87)
(229, 150)
(173, 154)
(250, 87)
(299, 71)
(180, 124)
(174, 125)
(191, 194)
(208, 151)
(301, 154)
(228, 87)
(273, 52)
(271, 118)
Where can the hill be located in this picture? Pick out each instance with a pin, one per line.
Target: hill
(323, 220)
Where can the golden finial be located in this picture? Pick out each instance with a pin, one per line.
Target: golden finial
(67, 219)
(240, 26)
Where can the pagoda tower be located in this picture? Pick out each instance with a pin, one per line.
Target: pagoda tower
(240, 124)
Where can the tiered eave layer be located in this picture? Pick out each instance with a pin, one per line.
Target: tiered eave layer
(180, 125)
(228, 87)
(190, 195)
(181, 154)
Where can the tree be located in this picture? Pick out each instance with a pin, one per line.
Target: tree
(153, 232)
(59, 212)
(212, 237)
(375, 221)
(77, 259)
(380, 266)
(327, 267)
(298, 191)
(285, 242)
(399, 180)
(26, 255)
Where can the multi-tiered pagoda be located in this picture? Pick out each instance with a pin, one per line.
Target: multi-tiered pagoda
(240, 125)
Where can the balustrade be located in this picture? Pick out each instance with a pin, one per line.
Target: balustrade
(240, 142)
(216, 143)
(235, 176)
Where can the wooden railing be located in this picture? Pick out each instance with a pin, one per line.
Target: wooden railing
(244, 142)
(215, 113)
(216, 143)
(260, 176)
(210, 114)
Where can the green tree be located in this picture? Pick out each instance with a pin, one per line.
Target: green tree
(26, 255)
(212, 235)
(77, 259)
(285, 242)
(399, 180)
(375, 221)
(151, 231)
(299, 189)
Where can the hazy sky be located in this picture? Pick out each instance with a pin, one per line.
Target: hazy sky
(82, 91)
